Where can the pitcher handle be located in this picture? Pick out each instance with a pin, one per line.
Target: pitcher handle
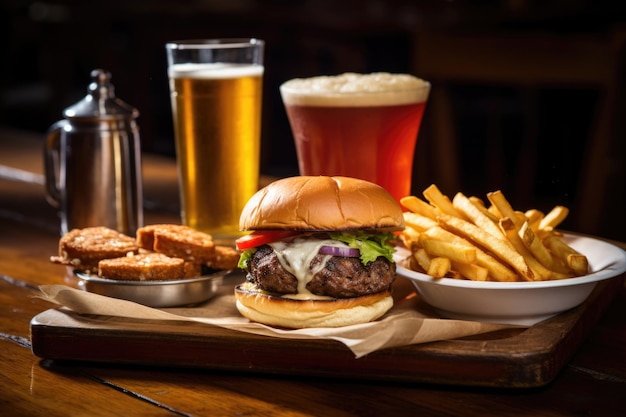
(52, 163)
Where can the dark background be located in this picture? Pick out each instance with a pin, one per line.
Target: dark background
(525, 115)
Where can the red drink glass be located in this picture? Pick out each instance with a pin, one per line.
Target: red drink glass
(362, 126)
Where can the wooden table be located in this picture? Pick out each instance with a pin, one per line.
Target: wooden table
(592, 383)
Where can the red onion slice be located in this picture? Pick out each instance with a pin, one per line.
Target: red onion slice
(344, 251)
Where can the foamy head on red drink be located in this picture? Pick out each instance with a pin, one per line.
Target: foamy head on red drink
(358, 90)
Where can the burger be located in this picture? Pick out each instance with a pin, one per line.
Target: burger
(320, 252)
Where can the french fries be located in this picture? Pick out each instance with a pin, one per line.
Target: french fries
(463, 238)
(478, 217)
(440, 201)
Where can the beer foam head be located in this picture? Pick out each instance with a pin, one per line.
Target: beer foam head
(351, 89)
(214, 71)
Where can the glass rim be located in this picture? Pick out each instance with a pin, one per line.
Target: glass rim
(217, 43)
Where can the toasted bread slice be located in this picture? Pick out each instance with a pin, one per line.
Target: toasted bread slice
(177, 241)
(145, 235)
(145, 267)
(224, 257)
(84, 248)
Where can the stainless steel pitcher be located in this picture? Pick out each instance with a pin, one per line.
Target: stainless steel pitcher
(92, 162)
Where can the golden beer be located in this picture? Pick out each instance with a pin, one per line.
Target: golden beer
(217, 122)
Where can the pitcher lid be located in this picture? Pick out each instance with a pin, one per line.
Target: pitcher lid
(100, 101)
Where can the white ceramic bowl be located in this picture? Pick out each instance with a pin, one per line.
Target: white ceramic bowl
(523, 303)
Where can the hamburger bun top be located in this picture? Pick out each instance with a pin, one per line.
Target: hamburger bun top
(311, 203)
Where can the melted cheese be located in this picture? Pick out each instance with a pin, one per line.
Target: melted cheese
(296, 257)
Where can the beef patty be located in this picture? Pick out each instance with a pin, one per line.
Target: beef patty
(340, 278)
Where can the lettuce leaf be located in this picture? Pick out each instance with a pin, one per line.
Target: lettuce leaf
(371, 245)
(244, 259)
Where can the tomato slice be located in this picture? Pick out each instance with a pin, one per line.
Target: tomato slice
(258, 238)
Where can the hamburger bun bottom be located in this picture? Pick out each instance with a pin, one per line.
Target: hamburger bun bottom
(298, 314)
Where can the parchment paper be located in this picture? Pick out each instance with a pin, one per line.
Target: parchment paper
(406, 323)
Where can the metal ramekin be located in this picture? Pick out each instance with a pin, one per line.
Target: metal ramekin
(170, 293)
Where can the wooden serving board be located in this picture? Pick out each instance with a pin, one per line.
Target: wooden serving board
(515, 358)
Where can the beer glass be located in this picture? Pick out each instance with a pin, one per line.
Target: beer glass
(216, 90)
(357, 125)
